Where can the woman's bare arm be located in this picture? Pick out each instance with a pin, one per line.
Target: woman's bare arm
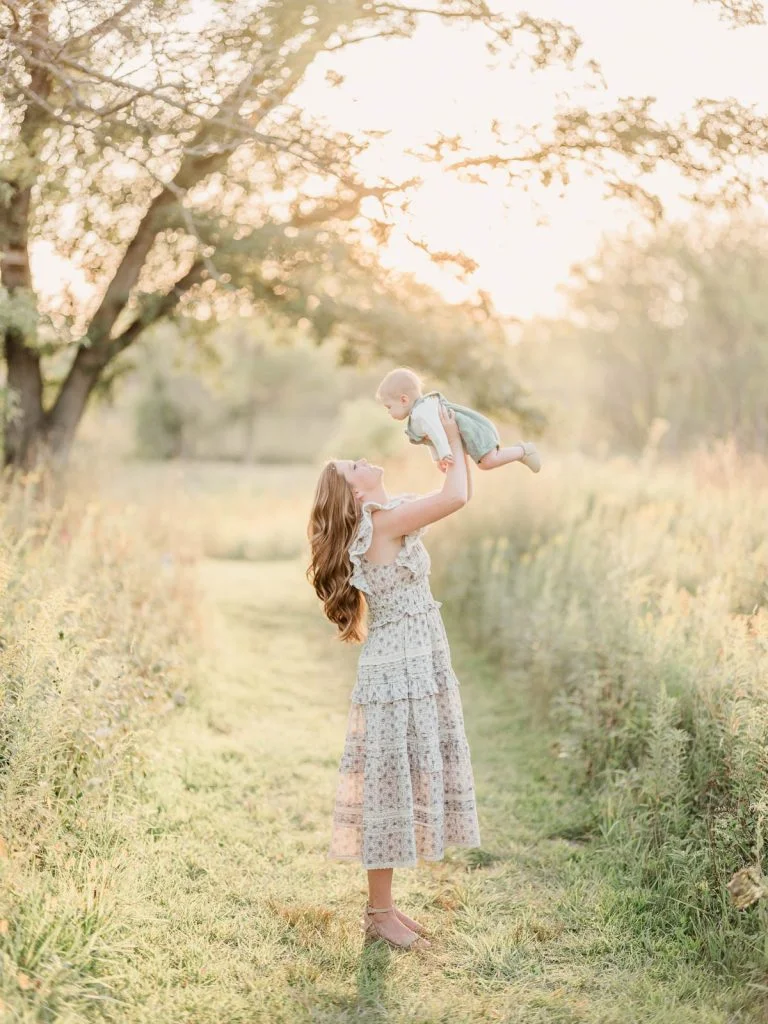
(420, 512)
(469, 475)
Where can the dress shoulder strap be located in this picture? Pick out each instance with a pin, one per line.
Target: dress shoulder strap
(364, 535)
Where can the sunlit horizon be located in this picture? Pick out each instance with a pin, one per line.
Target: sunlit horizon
(524, 248)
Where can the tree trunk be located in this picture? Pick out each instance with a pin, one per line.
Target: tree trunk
(24, 428)
(24, 417)
(91, 361)
(31, 434)
(64, 418)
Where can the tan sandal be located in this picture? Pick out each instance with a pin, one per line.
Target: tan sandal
(531, 457)
(414, 926)
(372, 933)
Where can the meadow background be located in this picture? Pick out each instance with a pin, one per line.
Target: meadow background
(611, 633)
(172, 703)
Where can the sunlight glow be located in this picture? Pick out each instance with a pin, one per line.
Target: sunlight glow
(439, 81)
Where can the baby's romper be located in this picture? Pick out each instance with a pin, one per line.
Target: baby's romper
(478, 434)
(405, 787)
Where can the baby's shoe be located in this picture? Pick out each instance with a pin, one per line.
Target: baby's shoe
(531, 459)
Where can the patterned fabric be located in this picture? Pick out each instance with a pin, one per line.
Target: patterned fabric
(405, 786)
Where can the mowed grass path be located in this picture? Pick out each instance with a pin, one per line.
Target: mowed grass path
(240, 917)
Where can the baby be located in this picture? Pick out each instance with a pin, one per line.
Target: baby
(401, 394)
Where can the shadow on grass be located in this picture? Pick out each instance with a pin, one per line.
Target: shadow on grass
(372, 983)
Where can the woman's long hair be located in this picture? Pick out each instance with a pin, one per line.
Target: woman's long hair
(332, 524)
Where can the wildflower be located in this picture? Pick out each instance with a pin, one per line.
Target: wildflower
(746, 887)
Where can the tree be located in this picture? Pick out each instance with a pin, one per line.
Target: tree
(157, 146)
(671, 330)
(161, 152)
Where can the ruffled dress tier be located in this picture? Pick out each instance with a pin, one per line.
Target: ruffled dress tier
(405, 787)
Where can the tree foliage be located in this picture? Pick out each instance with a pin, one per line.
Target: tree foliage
(740, 12)
(160, 149)
(666, 337)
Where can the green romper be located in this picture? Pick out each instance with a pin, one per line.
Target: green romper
(478, 434)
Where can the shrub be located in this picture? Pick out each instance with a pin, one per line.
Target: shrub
(634, 609)
(159, 423)
(364, 430)
(97, 612)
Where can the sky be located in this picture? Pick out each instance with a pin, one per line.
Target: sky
(672, 49)
(438, 81)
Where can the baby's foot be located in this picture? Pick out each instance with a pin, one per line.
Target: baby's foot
(531, 457)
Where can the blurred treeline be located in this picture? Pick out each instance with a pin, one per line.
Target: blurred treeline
(664, 343)
(251, 391)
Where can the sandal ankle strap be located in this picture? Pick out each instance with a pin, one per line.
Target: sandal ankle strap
(378, 910)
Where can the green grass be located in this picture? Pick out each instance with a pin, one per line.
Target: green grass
(98, 608)
(632, 601)
(237, 915)
(202, 893)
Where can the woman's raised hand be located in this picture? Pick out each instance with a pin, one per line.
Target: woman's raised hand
(448, 419)
(411, 515)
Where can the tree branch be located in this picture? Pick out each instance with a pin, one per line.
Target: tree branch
(198, 163)
(154, 309)
(95, 33)
(348, 208)
(391, 8)
(384, 34)
(136, 93)
(302, 61)
(740, 12)
(89, 362)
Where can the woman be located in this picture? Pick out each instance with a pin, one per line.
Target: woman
(405, 785)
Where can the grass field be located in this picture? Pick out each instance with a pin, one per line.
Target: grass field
(632, 602)
(240, 917)
(205, 888)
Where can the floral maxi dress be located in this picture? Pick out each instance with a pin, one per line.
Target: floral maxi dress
(405, 786)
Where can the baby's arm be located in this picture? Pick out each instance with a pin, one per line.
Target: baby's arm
(426, 421)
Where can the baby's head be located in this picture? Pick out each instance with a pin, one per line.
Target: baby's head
(398, 392)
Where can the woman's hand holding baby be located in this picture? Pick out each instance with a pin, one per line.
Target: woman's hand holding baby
(448, 420)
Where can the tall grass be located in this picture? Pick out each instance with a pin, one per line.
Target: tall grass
(97, 611)
(631, 603)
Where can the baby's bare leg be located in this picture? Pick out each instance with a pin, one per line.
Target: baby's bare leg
(501, 456)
